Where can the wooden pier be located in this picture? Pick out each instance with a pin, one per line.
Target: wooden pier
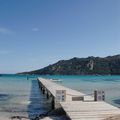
(77, 105)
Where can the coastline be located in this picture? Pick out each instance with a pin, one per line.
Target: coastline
(9, 115)
(74, 82)
(57, 114)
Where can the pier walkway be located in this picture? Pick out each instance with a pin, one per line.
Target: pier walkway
(77, 105)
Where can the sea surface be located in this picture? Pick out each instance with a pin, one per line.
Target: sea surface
(20, 94)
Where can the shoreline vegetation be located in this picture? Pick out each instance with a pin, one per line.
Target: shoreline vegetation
(109, 65)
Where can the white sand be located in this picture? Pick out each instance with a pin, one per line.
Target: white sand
(114, 118)
(4, 116)
(8, 115)
(55, 118)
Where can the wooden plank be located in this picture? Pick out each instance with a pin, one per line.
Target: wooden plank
(87, 109)
(52, 87)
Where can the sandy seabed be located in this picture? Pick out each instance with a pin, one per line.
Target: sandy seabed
(57, 114)
(114, 118)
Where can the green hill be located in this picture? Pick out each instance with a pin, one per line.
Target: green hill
(83, 66)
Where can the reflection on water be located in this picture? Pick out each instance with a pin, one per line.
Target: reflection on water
(38, 103)
(4, 97)
(22, 97)
(117, 101)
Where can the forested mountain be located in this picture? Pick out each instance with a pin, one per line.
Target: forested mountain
(83, 66)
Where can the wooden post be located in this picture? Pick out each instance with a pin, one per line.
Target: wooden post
(53, 103)
(47, 95)
(43, 90)
(99, 95)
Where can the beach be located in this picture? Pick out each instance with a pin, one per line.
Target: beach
(114, 118)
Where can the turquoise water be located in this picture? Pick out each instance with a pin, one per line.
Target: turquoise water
(21, 96)
(87, 84)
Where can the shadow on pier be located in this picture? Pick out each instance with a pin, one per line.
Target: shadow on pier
(38, 103)
(41, 107)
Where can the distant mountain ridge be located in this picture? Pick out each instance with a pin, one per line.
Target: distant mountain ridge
(82, 66)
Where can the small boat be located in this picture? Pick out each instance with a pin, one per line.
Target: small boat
(56, 80)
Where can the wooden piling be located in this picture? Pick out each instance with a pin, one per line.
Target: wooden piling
(47, 95)
(53, 103)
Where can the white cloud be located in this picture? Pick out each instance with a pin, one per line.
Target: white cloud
(5, 31)
(35, 29)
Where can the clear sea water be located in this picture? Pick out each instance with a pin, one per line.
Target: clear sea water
(19, 96)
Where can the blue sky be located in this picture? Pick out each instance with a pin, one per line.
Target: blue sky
(36, 33)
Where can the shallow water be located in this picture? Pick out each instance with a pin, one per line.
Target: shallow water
(23, 97)
(87, 84)
(19, 96)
